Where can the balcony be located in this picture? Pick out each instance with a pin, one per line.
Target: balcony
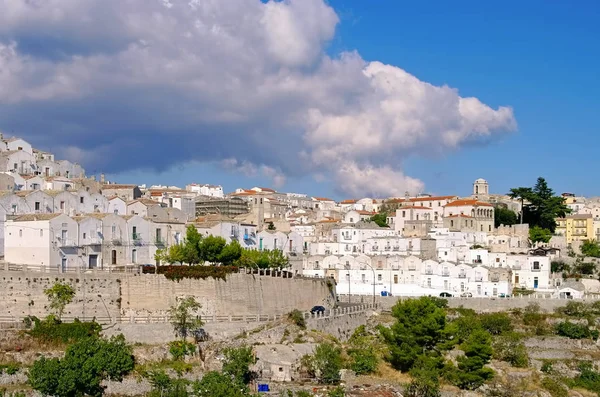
(495, 279)
(136, 238)
(429, 271)
(477, 261)
(412, 268)
(536, 269)
(346, 237)
(66, 243)
(375, 248)
(462, 275)
(92, 241)
(446, 274)
(387, 248)
(160, 242)
(396, 248)
(478, 278)
(116, 241)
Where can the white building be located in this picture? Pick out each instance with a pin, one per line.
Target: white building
(206, 190)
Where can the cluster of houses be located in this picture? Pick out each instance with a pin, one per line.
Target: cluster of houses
(55, 217)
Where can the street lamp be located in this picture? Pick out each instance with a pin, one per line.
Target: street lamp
(373, 270)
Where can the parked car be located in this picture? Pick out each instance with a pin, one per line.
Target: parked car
(466, 295)
(503, 295)
(200, 335)
(317, 309)
(446, 295)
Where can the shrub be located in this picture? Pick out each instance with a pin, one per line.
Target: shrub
(511, 349)
(532, 314)
(588, 378)
(9, 369)
(216, 384)
(177, 273)
(573, 309)
(337, 392)
(555, 388)
(575, 331)
(496, 323)
(297, 317)
(52, 330)
(180, 348)
(364, 361)
(546, 366)
(237, 364)
(423, 385)
(327, 362)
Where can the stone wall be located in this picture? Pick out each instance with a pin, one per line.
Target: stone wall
(341, 325)
(22, 294)
(490, 304)
(108, 297)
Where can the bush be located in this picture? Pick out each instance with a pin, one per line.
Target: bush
(511, 349)
(9, 369)
(85, 365)
(195, 272)
(237, 364)
(52, 330)
(546, 366)
(573, 309)
(555, 388)
(327, 362)
(180, 348)
(496, 323)
(337, 392)
(364, 361)
(532, 314)
(216, 384)
(575, 331)
(588, 378)
(423, 385)
(297, 317)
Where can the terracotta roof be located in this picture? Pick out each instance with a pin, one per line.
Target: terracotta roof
(322, 199)
(361, 212)
(28, 177)
(420, 199)
(460, 203)
(266, 189)
(415, 207)
(144, 201)
(348, 202)
(459, 216)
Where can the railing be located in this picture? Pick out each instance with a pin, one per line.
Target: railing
(387, 248)
(346, 237)
(92, 241)
(477, 261)
(446, 274)
(412, 268)
(429, 271)
(116, 241)
(66, 243)
(462, 275)
(495, 279)
(396, 249)
(159, 242)
(478, 278)
(534, 269)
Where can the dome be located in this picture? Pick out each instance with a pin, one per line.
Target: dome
(480, 180)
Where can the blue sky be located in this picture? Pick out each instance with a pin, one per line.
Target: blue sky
(540, 58)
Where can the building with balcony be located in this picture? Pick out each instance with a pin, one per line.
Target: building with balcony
(576, 227)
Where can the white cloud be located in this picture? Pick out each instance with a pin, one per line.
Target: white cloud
(238, 79)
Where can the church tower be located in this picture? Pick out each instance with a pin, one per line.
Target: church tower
(480, 188)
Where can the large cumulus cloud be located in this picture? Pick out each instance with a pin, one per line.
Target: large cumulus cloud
(124, 84)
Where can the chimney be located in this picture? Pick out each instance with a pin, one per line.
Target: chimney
(102, 178)
(407, 196)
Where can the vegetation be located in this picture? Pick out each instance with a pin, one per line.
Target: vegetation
(380, 219)
(85, 365)
(510, 348)
(496, 323)
(271, 226)
(325, 363)
(540, 206)
(183, 319)
(555, 388)
(590, 248)
(576, 331)
(539, 235)
(364, 350)
(297, 317)
(180, 348)
(504, 216)
(216, 384)
(559, 267)
(177, 273)
(52, 330)
(165, 386)
(59, 295)
(237, 364)
(588, 378)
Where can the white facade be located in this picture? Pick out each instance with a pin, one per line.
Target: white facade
(116, 205)
(206, 190)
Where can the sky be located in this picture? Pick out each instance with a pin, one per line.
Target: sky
(339, 98)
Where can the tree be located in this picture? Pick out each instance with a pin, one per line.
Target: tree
(271, 226)
(59, 295)
(327, 362)
(504, 216)
(237, 364)
(380, 219)
(540, 207)
(230, 253)
(538, 234)
(471, 372)
(85, 365)
(216, 384)
(277, 259)
(191, 246)
(182, 318)
(210, 248)
(590, 248)
(419, 327)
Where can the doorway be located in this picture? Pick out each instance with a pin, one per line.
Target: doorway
(113, 257)
(93, 261)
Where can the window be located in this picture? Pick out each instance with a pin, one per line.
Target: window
(62, 205)
(490, 228)
(497, 260)
(41, 232)
(113, 230)
(80, 200)
(351, 220)
(20, 232)
(536, 265)
(363, 278)
(429, 282)
(395, 279)
(379, 277)
(37, 205)
(348, 277)
(403, 214)
(451, 223)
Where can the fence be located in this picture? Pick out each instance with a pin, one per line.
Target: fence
(208, 319)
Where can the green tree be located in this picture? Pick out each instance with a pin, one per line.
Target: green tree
(540, 206)
(418, 329)
(211, 248)
(59, 295)
(538, 234)
(380, 219)
(248, 258)
(191, 246)
(183, 319)
(504, 216)
(471, 372)
(85, 365)
(590, 248)
(510, 348)
(165, 386)
(277, 259)
(237, 364)
(327, 361)
(496, 323)
(271, 226)
(216, 384)
(230, 253)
